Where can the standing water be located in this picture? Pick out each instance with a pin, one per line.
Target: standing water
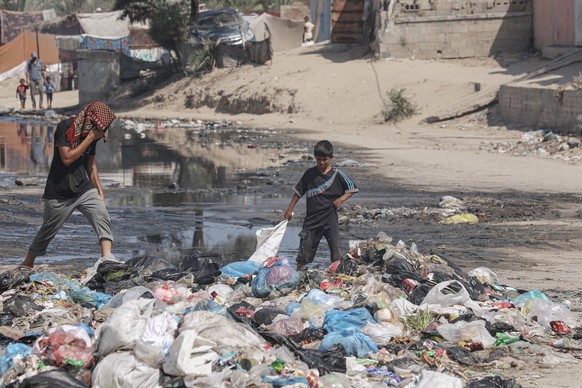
(170, 191)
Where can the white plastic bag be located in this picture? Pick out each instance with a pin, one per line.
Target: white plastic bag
(190, 355)
(474, 331)
(430, 379)
(437, 296)
(153, 346)
(381, 333)
(124, 326)
(123, 370)
(268, 241)
(484, 275)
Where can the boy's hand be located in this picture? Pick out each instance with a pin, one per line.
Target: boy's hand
(337, 203)
(288, 215)
(94, 134)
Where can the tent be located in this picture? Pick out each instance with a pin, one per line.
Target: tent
(104, 24)
(11, 23)
(15, 54)
(284, 34)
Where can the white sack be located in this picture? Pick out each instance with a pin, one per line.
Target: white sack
(268, 241)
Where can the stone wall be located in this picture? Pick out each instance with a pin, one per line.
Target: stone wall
(541, 108)
(456, 29)
(98, 73)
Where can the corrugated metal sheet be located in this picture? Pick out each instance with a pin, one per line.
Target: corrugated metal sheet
(554, 23)
(347, 25)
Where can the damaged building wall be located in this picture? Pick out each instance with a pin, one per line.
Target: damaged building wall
(98, 72)
(541, 107)
(455, 28)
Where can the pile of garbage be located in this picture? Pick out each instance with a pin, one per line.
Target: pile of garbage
(543, 143)
(384, 315)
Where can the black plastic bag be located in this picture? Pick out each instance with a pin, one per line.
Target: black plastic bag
(110, 271)
(244, 308)
(419, 293)
(347, 266)
(335, 358)
(168, 274)
(20, 305)
(312, 357)
(51, 379)
(198, 260)
(204, 268)
(11, 279)
(6, 319)
(462, 356)
(147, 265)
(498, 327)
(494, 382)
(309, 334)
(265, 316)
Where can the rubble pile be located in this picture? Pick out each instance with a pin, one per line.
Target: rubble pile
(384, 315)
(542, 143)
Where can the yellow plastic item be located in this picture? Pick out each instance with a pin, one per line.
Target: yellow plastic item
(465, 218)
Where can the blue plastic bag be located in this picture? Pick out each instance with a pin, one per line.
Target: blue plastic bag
(240, 268)
(86, 296)
(13, 350)
(353, 340)
(292, 307)
(338, 320)
(276, 277)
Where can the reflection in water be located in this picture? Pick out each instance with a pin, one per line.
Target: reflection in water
(233, 242)
(205, 165)
(26, 147)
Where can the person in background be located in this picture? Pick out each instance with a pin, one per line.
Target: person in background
(73, 180)
(71, 79)
(325, 188)
(35, 78)
(49, 90)
(21, 93)
(307, 30)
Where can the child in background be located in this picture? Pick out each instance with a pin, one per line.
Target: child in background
(21, 92)
(49, 89)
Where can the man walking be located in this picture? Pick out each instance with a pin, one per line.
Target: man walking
(35, 78)
(73, 180)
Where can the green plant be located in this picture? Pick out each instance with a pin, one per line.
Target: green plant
(171, 22)
(419, 320)
(202, 59)
(577, 82)
(399, 106)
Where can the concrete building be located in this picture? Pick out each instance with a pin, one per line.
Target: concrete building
(455, 29)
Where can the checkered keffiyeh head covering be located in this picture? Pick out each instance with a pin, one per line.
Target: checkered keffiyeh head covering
(95, 114)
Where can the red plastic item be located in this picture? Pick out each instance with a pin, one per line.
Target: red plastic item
(409, 284)
(334, 265)
(560, 327)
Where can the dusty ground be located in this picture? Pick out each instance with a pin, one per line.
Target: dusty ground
(528, 201)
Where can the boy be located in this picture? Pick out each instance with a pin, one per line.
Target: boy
(49, 88)
(325, 188)
(73, 180)
(21, 92)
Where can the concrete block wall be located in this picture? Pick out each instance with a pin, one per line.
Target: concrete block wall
(98, 73)
(541, 108)
(457, 29)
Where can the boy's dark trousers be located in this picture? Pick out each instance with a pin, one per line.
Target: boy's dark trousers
(310, 239)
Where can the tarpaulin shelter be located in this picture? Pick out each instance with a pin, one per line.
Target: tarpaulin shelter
(11, 23)
(15, 54)
(284, 34)
(268, 33)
